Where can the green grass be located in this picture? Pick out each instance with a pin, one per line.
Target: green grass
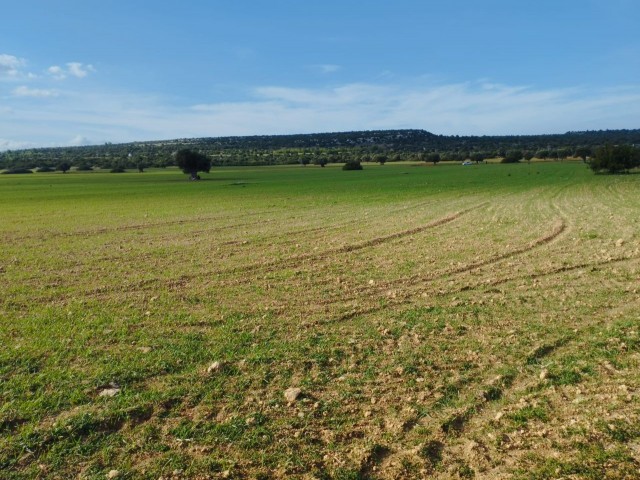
(402, 299)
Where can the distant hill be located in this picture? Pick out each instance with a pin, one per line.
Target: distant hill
(336, 146)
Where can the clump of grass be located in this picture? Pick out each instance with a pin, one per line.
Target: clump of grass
(522, 417)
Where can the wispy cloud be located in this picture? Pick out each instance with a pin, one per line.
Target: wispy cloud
(326, 68)
(12, 67)
(24, 91)
(73, 69)
(79, 140)
(474, 108)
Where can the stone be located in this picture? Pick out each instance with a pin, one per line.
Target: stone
(214, 367)
(292, 394)
(109, 392)
(113, 474)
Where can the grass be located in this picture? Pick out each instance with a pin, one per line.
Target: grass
(440, 321)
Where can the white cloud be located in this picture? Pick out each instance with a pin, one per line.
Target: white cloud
(73, 69)
(79, 70)
(326, 68)
(24, 91)
(79, 140)
(57, 72)
(10, 66)
(6, 144)
(474, 108)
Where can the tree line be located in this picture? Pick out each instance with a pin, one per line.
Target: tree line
(364, 146)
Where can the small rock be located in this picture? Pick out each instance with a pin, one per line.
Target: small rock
(619, 242)
(292, 394)
(544, 374)
(214, 367)
(144, 349)
(113, 474)
(109, 392)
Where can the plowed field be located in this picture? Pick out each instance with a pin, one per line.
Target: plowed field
(428, 322)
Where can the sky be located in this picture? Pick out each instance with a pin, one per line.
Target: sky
(80, 72)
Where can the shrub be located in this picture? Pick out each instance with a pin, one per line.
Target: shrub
(45, 169)
(83, 167)
(433, 157)
(16, 170)
(352, 165)
(117, 170)
(615, 158)
(512, 156)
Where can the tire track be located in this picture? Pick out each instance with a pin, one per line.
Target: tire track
(133, 227)
(269, 266)
(411, 281)
(292, 261)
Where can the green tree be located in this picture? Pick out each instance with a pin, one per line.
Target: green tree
(352, 165)
(583, 153)
(615, 158)
(433, 157)
(512, 156)
(564, 153)
(64, 167)
(191, 162)
(477, 157)
(381, 158)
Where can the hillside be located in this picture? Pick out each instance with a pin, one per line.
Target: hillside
(283, 149)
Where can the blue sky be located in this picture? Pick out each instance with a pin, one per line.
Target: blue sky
(87, 72)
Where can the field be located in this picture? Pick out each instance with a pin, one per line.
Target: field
(424, 322)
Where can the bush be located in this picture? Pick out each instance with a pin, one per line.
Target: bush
(45, 169)
(513, 156)
(16, 170)
(83, 167)
(433, 157)
(615, 158)
(352, 165)
(117, 170)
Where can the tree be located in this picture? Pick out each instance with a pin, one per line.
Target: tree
(64, 167)
(512, 156)
(477, 157)
(352, 165)
(192, 162)
(381, 158)
(564, 153)
(583, 153)
(615, 158)
(433, 157)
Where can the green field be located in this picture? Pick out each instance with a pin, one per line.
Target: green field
(440, 322)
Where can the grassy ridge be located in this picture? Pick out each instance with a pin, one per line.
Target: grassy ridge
(446, 321)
